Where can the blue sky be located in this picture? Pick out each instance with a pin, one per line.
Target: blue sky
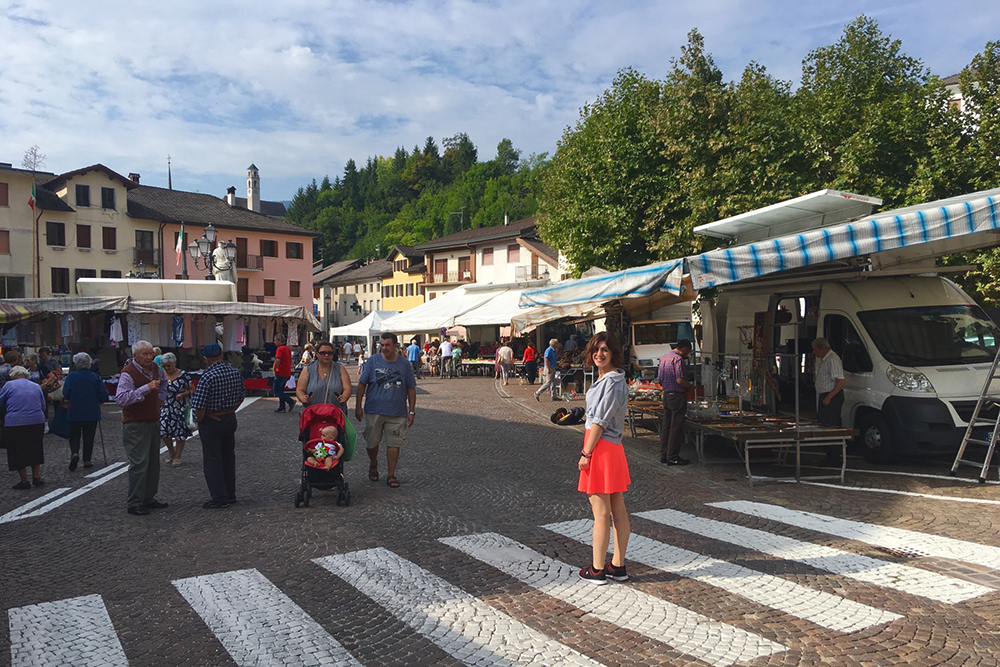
(298, 87)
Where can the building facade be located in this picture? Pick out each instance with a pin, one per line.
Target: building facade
(356, 292)
(404, 289)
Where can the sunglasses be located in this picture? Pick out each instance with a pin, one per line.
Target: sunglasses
(325, 352)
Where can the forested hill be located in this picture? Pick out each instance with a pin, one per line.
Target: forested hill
(415, 196)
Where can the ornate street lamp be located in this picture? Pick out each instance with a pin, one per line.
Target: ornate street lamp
(201, 251)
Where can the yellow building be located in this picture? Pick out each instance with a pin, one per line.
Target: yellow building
(404, 289)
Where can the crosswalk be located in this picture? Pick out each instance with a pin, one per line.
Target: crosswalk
(259, 624)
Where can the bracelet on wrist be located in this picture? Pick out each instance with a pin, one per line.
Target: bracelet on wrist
(585, 454)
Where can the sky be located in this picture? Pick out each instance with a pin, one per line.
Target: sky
(299, 87)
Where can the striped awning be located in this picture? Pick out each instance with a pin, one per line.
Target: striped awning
(11, 314)
(926, 223)
(640, 281)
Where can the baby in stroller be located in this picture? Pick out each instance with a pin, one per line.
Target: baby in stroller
(324, 451)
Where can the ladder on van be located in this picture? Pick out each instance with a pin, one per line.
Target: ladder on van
(989, 398)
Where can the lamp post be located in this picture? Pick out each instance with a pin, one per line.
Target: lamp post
(202, 250)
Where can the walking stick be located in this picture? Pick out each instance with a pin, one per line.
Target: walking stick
(103, 451)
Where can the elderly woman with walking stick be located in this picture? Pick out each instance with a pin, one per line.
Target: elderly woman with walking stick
(85, 391)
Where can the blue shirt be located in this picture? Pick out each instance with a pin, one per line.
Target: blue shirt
(24, 401)
(219, 390)
(386, 385)
(551, 356)
(85, 392)
(413, 352)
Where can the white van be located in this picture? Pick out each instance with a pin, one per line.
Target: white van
(915, 349)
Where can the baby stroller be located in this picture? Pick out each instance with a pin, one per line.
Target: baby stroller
(312, 420)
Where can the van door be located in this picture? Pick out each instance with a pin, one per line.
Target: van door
(795, 318)
(858, 367)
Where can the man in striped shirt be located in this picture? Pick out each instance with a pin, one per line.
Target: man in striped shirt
(673, 379)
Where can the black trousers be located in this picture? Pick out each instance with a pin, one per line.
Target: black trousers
(218, 445)
(87, 431)
(672, 427)
(829, 415)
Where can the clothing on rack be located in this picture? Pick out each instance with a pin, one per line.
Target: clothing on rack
(115, 335)
(177, 330)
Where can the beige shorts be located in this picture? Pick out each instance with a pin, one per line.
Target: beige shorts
(394, 429)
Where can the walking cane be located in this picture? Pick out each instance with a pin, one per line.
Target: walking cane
(103, 451)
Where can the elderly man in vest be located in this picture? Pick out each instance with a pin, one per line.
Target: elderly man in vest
(142, 388)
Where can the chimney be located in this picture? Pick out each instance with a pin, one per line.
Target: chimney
(231, 195)
(506, 218)
(134, 177)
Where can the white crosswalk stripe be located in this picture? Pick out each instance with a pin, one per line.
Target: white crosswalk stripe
(463, 626)
(689, 632)
(911, 580)
(823, 609)
(76, 631)
(258, 624)
(907, 541)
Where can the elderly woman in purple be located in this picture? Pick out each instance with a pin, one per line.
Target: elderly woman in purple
(23, 404)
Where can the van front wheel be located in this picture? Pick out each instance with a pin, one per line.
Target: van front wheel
(876, 438)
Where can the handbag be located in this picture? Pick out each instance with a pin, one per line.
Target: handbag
(59, 424)
(55, 393)
(189, 418)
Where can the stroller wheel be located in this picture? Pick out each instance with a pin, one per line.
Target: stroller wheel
(305, 501)
(347, 497)
(340, 498)
(298, 499)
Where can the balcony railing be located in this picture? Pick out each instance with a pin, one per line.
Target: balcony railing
(532, 272)
(148, 256)
(246, 262)
(449, 277)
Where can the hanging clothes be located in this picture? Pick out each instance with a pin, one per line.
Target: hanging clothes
(66, 326)
(240, 333)
(116, 336)
(177, 330)
(293, 336)
(134, 329)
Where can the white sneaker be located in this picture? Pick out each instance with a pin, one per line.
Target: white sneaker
(46, 427)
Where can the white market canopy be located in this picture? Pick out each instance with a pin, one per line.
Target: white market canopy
(157, 289)
(370, 326)
(451, 308)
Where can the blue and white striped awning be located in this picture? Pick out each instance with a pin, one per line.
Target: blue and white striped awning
(640, 281)
(926, 223)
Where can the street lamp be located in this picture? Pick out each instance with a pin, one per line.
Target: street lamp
(202, 250)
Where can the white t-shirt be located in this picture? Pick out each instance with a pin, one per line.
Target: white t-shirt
(505, 355)
(347, 349)
(446, 349)
(357, 349)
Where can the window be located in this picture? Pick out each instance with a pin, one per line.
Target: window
(82, 273)
(55, 233)
(846, 342)
(316, 293)
(399, 265)
(293, 250)
(4, 194)
(110, 273)
(108, 198)
(144, 247)
(513, 253)
(364, 289)
(184, 246)
(110, 235)
(4, 242)
(11, 287)
(60, 281)
(83, 236)
(487, 256)
(268, 287)
(268, 248)
(82, 195)
(409, 289)
(293, 289)
(946, 335)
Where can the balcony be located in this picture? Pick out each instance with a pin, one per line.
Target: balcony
(448, 277)
(245, 262)
(148, 256)
(525, 273)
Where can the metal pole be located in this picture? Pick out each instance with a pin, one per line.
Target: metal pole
(103, 451)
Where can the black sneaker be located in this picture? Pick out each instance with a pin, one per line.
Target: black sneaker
(615, 572)
(593, 576)
(20, 486)
(677, 461)
(280, 410)
(73, 462)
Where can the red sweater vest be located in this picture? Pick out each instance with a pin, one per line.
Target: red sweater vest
(146, 410)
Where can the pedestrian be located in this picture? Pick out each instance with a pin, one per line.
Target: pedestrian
(324, 380)
(457, 352)
(552, 375)
(530, 361)
(505, 357)
(385, 389)
(11, 358)
(357, 352)
(446, 367)
(603, 468)
(571, 344)
(23, 405)
(673, 379)
(173, 425)
(282, 372)
(142, 389)
(347, 352)
(414, 357)
(308, 355)
(219, 393)
(830, 381)
(85, 391)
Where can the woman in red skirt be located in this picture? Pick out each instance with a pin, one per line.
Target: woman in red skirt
(603, 468)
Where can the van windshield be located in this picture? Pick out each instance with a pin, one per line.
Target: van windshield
(932, 335)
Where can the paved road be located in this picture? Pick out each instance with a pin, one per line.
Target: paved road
(473, 559)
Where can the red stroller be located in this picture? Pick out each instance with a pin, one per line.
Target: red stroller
(312, 420)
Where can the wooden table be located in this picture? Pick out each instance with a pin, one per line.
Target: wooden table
(751, 433)
(644, 410)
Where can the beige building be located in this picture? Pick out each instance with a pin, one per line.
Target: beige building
(404, 289)
(17, 224)
(357, 292)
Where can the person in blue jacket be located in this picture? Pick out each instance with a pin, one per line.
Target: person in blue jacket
(85, 391)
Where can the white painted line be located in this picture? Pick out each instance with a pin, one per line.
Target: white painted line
(691, 633)
(906, 541)
(109, 468)
(17, 512)
(824, 609)
(954, 499)
(77, 632)
(463, 626)
(257, 623)
(911, 580)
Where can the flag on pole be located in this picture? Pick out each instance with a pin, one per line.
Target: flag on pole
(31, 199)
(180, 245)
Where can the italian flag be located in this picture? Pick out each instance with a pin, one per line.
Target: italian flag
(31, 199)
(180, 245)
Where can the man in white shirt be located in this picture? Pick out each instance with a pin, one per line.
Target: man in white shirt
(348, 351)
(505, 357)
(830, 381)
(446, 364)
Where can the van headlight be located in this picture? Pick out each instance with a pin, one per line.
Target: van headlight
(909, 381)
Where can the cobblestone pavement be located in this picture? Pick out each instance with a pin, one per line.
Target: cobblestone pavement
(473, 559)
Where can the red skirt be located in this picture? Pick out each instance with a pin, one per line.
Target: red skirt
(608, 471)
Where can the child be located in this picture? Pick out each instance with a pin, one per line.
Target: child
(325, 451)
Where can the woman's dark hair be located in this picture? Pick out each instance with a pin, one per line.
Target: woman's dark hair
(333, 348)
(617, 354)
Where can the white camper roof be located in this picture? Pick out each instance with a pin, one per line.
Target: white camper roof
(816, 209)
